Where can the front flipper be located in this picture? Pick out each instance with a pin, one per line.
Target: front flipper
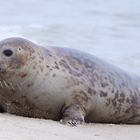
(75, 109)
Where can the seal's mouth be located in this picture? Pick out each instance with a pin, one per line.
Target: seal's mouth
(2, 67)
(2, 70)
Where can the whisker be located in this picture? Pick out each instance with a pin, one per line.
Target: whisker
(1, 84)
(19, 87)
(11, 85)
(5, 83)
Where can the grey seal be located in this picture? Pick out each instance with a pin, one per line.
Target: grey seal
(65, 84)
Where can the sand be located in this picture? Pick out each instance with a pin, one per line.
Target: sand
(22, 128)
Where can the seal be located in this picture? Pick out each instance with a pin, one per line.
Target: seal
(65, 84)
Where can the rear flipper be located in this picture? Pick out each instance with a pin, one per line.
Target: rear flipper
(75, 109)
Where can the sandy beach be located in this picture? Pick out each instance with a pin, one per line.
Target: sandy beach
(21, 128)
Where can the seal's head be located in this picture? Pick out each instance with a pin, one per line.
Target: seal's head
(14, 54)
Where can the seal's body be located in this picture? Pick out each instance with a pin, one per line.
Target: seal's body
(61, 83)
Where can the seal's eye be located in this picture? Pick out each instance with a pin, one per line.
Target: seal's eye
(8, 52)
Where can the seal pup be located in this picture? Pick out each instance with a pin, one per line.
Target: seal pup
(65, 84)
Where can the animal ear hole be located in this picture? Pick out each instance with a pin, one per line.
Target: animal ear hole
(19, 49)
(8, 52)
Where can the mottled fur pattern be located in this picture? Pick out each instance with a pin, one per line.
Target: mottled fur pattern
(65, 84)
